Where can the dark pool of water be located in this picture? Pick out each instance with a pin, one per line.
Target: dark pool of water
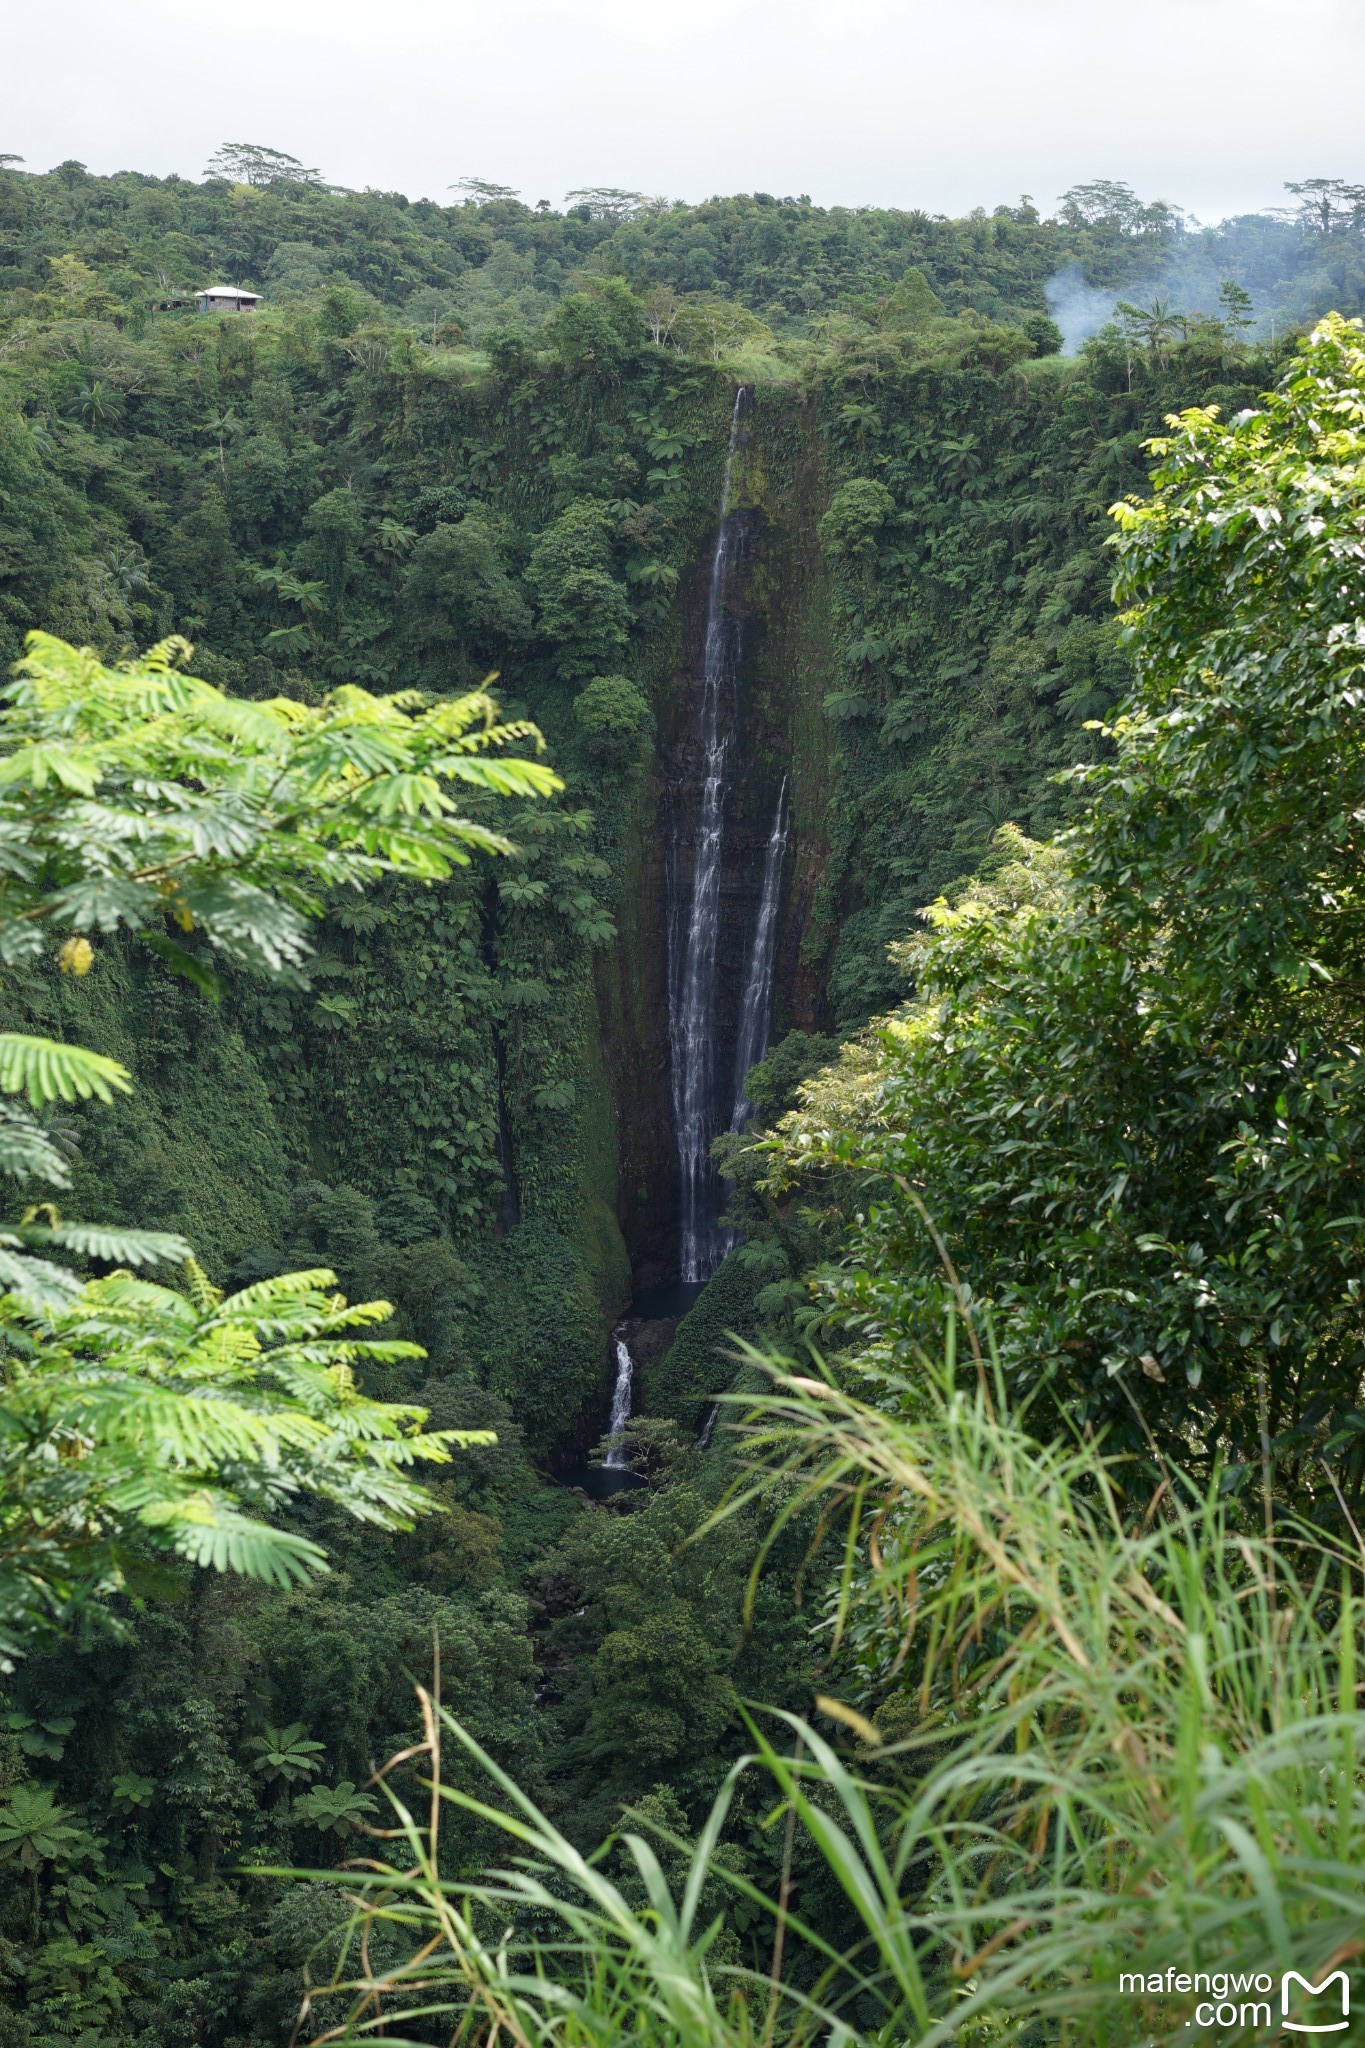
(599, 1482)
(656, 1303)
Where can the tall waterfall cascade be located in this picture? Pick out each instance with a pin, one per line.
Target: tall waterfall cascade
(707, 1098)
(694, 922)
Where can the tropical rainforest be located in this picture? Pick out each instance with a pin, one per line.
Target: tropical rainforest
(873, 698)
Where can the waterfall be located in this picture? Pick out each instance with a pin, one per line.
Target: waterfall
(620, 1399)
(756, 1015)
(694, 928)
(704, 1440)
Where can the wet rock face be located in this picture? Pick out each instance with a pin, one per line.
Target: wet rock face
(724, 771)
(735, 720)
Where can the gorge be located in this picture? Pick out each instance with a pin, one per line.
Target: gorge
(803, 575)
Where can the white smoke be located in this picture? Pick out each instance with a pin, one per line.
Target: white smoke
(1079, 309)
(1293, 277)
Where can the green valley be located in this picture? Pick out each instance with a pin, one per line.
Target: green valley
(832, 1044)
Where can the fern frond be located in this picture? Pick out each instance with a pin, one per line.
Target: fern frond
(315, 1284)
(26, 1151)
(434, 1443)
(133, 1299)
(128, 1247)
(47, 1071)
(35, 1280)
(387, 1451)
(208, 1532)
(194, 1431)
(330, 1352)
(203, 1293)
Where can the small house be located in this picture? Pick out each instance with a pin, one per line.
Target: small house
(226, 298)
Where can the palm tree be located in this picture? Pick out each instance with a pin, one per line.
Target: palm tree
(1155, 326)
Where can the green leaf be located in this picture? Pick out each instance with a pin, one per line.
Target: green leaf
(227, 1541)
(46, 1071)
(127, 1247)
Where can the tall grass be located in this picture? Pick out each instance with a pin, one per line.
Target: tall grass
(548, 1949)
(1094, 1734)
(1138, 1724)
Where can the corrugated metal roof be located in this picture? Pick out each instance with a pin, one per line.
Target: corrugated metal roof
(225, 291)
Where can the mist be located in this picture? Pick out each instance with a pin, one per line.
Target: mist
(1079, 309)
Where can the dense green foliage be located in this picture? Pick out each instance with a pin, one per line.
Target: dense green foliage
(1111, 1791)
(491, 265)
(970, 580)
(1106, 1782)
(137, 1421)
(131, 799)
(489, 438)
(1128, 1099)
(137, 796)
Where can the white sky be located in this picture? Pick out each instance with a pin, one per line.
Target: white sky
(944, 104)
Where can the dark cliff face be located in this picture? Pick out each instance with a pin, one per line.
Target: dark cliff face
(776, 599)
(791, 669)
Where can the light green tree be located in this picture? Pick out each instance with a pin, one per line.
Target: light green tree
(133, 1417)
(1129, 1092)
(1155, 327)
(606, 202)
(1326, 204)
(138, 1419)
(251, 163)
(714, 327)
(483, 191)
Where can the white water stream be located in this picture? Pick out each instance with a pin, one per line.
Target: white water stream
(755, 1017)
(694, 935)
(706, 1098)
(620, 1399)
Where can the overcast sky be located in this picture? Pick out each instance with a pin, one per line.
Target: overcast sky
(944, 104)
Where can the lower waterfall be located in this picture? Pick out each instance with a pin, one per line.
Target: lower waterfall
(620, 1400)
